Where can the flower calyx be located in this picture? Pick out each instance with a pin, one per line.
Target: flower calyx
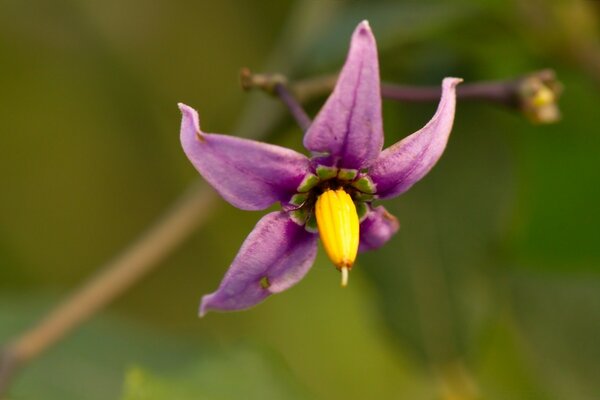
(358, 186)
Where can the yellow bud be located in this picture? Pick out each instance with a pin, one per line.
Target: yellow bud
(538, 96)
(339, 228)
(543, 97)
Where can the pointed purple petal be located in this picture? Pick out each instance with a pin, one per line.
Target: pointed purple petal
(349, 126)
(248, 174)
(377, 228)
(275, 256)
(403, 164)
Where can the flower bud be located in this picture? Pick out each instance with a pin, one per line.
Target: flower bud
(538, 97)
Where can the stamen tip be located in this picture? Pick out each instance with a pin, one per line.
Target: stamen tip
(344, 276)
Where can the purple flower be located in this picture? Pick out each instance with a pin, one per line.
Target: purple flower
(330, 193)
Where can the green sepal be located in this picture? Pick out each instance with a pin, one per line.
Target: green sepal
(309, 182)
(347, 174)
(325, 173)
(311, 224)
(299, 216)
(298, 199)
(364, 184)
(360, 196)
(361, 210)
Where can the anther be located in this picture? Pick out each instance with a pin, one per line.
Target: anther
(338, 224)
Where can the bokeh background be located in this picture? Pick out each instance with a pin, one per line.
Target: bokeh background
(491, 289)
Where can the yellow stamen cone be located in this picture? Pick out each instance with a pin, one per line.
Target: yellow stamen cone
(339, 229)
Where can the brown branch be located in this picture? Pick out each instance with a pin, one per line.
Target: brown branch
(116, 277)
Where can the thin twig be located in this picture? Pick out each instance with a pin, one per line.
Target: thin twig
(9, 364)
(115, 278)
(496, 92)
(506, 92)
(276, 85)
(501, 91)
(534, 94)
(293, 106)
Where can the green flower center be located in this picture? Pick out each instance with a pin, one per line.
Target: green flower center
(357, 185)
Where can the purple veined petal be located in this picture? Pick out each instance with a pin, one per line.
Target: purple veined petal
(248, 174)
(403, 164)
(349, 126)
(377, 228)
(275, 256)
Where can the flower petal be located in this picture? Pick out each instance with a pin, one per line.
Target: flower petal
(377, 228)
(248, 174)
(349, 126)
(275, 256)
(403, 164)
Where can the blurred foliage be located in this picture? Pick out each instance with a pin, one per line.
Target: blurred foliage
(90, 365)
(490, 290)
(237, 374)
(192, 369)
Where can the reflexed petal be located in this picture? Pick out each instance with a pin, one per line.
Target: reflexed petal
(248, 174)
(275, 256)
(377, 228)
(349, 126)
(401, 165)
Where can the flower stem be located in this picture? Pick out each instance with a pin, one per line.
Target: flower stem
(534, 94)
(294, 107)
(500, 92)
(276, 85)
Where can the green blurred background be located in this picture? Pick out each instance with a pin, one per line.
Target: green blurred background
(491, 289)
